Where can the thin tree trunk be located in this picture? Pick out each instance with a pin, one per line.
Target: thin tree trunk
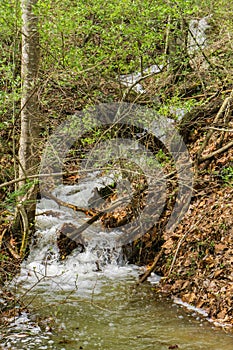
(28, 147)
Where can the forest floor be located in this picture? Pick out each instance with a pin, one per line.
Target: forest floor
(197, 264)
(197, 258)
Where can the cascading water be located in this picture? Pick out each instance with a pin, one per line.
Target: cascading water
(80, 270)
(89, 300)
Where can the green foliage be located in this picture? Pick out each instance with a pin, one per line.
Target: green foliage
(175, 107)
(12, 198)
(162, 157)
(89, 40)
(3, 257)
(86, 42)
(9, 61)
(109, 35)
(227, 175)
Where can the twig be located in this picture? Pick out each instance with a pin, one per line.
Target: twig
(2, 235)
(179, 244)
(152, 268)
(218, 151)
(69, 205)
(220, 129)
(204, 95)
(168, 30)
(8, 183)
(13, 252)
(38, 176)
(126, 93)
(211, 131)
(22, 211)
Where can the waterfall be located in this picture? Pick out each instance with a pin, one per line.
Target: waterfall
(98, 259)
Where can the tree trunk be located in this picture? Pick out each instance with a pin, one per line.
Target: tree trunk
(28, 147)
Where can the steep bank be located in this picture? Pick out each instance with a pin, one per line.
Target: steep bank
(198, 256)
(197, 259)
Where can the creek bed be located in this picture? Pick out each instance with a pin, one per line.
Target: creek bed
(114, 316)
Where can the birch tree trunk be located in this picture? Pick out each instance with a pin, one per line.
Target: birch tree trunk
(28, 146)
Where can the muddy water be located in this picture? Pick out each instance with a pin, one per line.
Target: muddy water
(119, 316)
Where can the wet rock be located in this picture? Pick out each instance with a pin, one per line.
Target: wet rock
(101, 195)
(65, 244)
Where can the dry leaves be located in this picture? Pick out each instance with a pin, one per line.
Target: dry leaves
(202, 274)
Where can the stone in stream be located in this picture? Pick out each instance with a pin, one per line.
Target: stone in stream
(65, 244)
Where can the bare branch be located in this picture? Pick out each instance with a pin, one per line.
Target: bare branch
(126, 93)
(152, 268)
(215, 153)
(226, 102)
(220, 129)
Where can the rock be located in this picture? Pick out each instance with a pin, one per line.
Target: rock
(65, 244)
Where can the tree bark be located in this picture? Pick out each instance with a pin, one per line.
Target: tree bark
(28, 145)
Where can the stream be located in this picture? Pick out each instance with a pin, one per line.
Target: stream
(119, 317)
(90, 300)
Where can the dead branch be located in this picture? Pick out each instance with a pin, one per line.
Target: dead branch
(11, 182)
(86, 211)
(74, 234)
(2, 235)
(220, 129)
(130, 88)
(215, 153)
(152, 268)
(13, 252)
(224, 106)
(21, 210)
(41, 176)
(180, 242)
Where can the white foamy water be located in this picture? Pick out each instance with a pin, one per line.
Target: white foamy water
(81, 272)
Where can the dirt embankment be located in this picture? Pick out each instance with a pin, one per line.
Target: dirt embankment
(198, 256)
(197, 260)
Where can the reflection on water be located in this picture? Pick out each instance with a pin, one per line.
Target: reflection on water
(120, 317)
